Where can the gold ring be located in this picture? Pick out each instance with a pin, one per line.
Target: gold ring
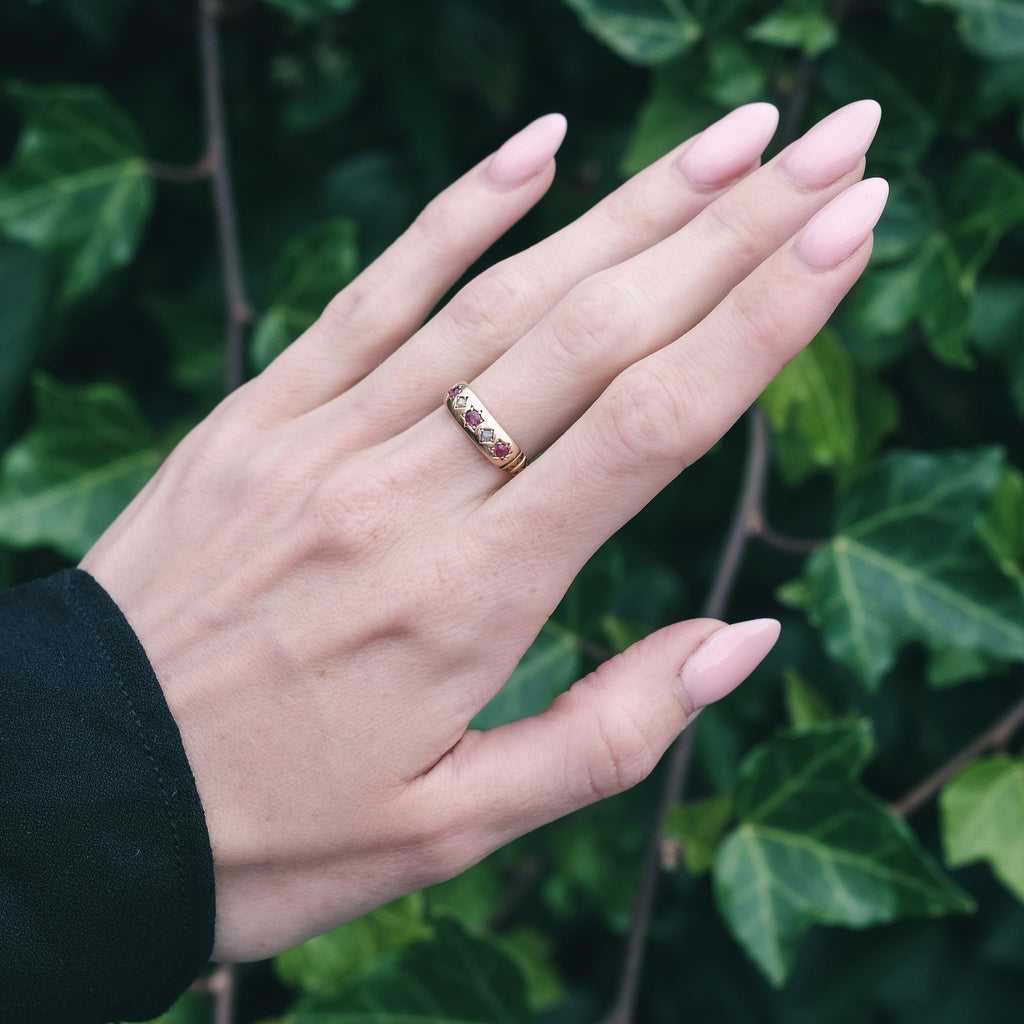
(482, 427)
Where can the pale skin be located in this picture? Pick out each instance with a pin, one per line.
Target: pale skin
(330, 581)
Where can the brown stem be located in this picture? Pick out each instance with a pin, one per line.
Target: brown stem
(222, 986)
(995, 737)
(680, 758)
(792, 545)
(177, 175)
(238, 314)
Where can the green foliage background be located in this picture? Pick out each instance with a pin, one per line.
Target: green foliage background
(794, 888)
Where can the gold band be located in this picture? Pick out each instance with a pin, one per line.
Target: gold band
(482, 427)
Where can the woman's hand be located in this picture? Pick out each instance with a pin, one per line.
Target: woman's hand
(330, 581)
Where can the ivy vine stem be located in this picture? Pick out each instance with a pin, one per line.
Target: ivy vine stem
(742, 527)
(995, 737)
(237, 312)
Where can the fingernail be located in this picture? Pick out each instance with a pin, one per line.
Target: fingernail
(838, 231)
(527, 152)
(723, 661)
(729, 147)
(834, 146)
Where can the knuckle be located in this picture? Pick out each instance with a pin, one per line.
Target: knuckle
(760, 320)
(438, 227)
(618, 754)
(489, 309)
(593, 319)
(635, 213)
(645, 417)
(347, 517)
(739, 230)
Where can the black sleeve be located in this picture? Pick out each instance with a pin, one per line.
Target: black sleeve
(106, 875)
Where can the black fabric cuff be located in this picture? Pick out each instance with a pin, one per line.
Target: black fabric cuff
(106, 874)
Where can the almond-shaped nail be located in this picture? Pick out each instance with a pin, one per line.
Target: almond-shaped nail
(527, 152)
(729, 147)
(836, 232)
(833, 147)
(723, 661)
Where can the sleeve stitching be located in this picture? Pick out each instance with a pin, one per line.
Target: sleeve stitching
(141, 734)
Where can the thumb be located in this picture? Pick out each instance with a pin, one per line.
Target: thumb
(601, 737)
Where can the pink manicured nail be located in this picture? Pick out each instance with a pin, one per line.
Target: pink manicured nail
(723, 661)
(729, 147)
(834, 146)
(527, 152)
(839, 230)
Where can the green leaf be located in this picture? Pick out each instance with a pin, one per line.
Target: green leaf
(78, 182)
(907, 564)
(814, 847)
(533, 953)
(983, 818)
(909, 126)
(454, 978)
(311, 270)
(992, 28)
(985, 199)
(1002, 529)
(672, 113)
(550, 666)
(24, 291)
(640, 31)
(695, 828)
(327, 966)
(87, 455)
(594, 861)
(799, 24)
(805, 708)
(996, 329)
(311, 10)
(734, 75)
(810, 406)
(825, 413)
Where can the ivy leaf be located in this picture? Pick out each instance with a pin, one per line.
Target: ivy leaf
(24, 291)
(996, 329)
(311, 270)
(78, 182)
(800, 24)
(983, 818)
(814, 847)
(88, 454)
(992, 28)
(672, 112)
(550, 666)
(454, 978)
(825, 413)
(985, 201)
(695, 828)
(806, 709)
(327, 966)
(907, 563)
(640, 31)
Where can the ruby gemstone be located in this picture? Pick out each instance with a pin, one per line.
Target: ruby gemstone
(473, 418)
(501, 450)
(454, 391)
